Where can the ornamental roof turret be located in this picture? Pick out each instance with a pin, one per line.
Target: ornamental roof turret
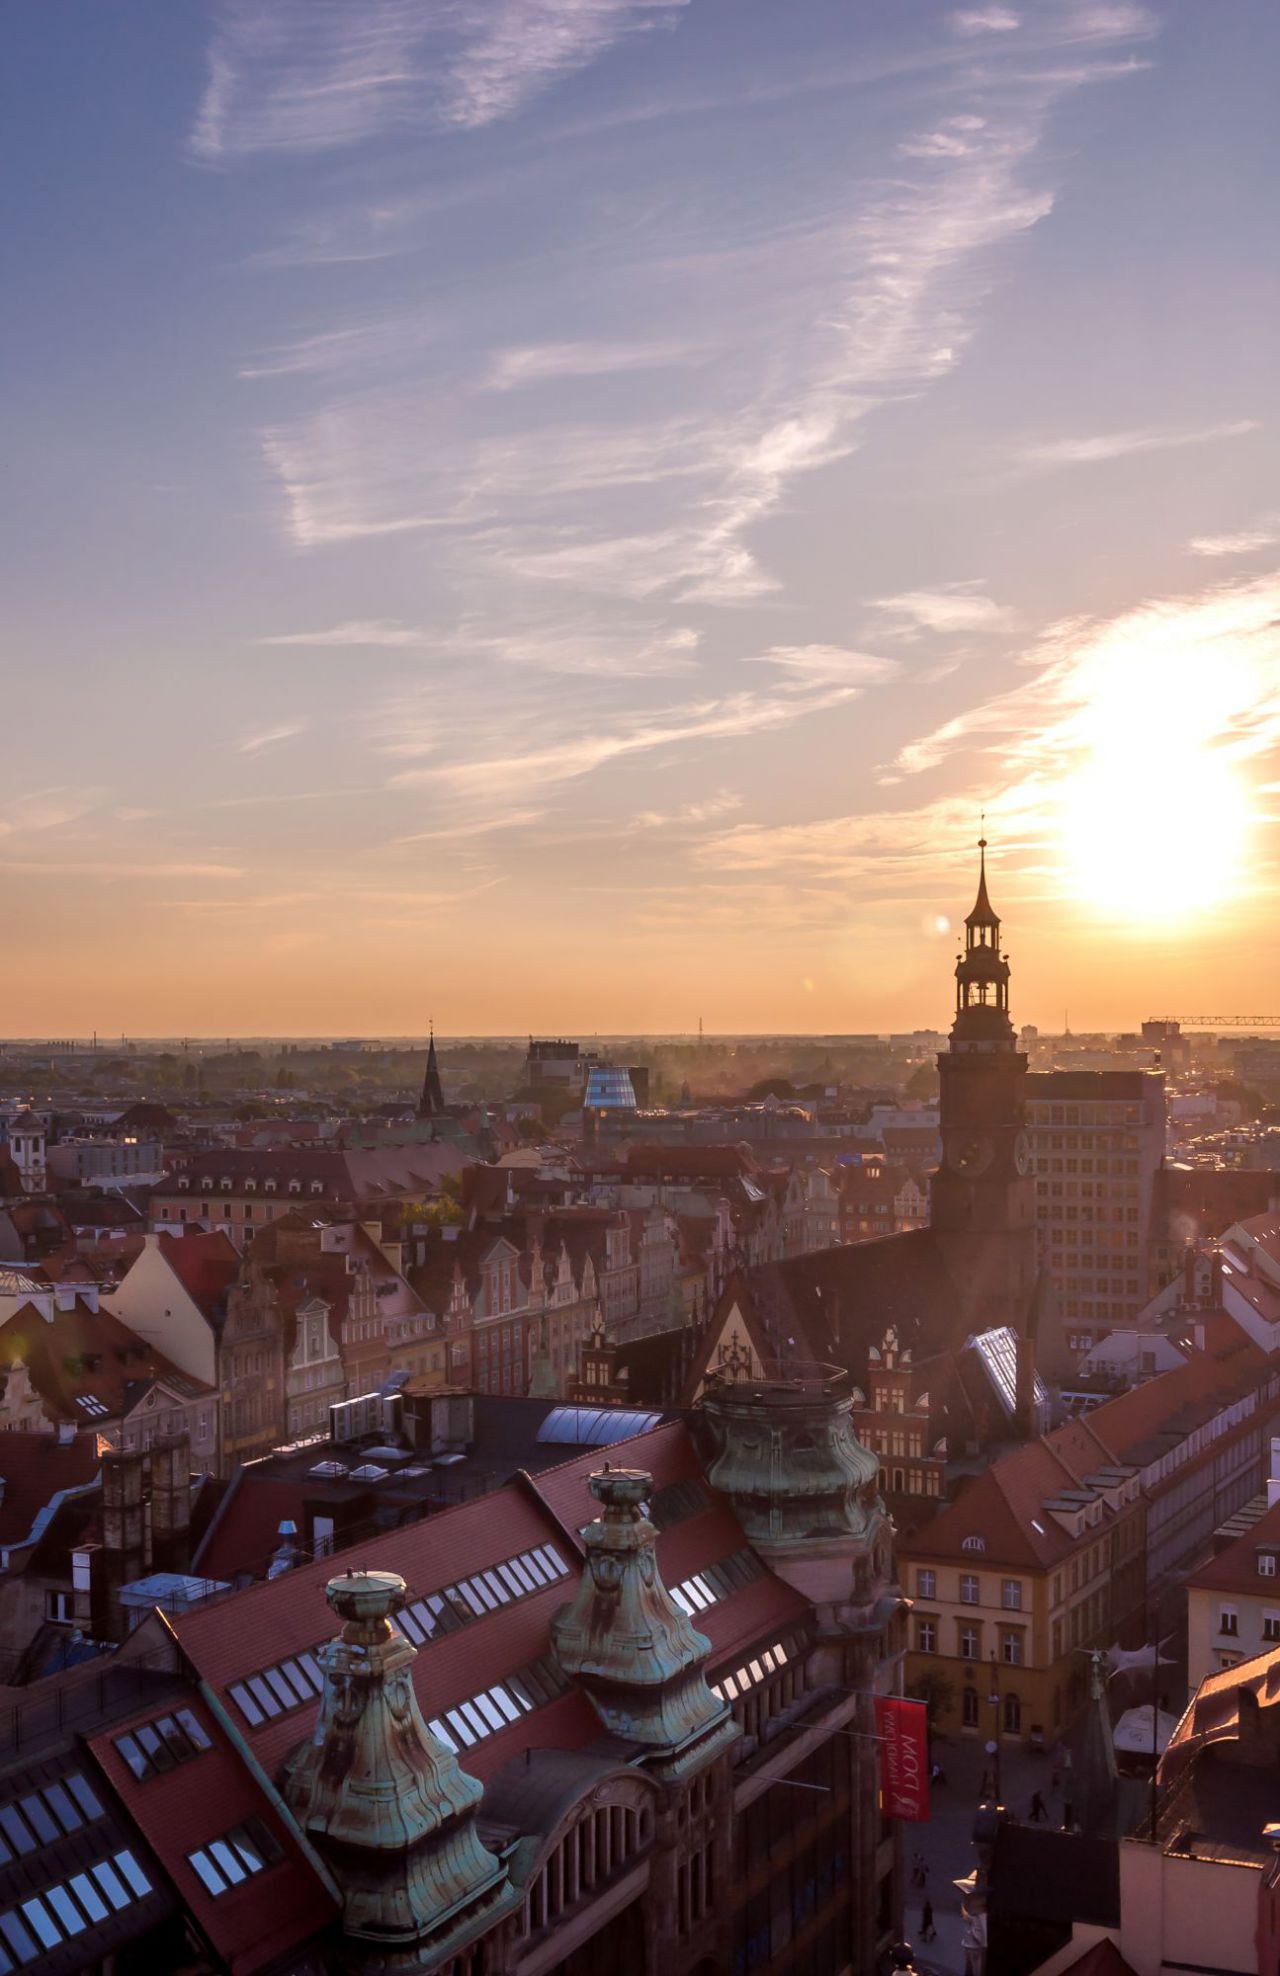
(385, 1802)
(630, 1647)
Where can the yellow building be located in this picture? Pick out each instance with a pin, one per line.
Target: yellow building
(1040, 1555)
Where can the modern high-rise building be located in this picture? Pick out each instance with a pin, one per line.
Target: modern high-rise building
(1098, 1138)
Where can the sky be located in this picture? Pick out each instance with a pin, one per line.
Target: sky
(565, 514)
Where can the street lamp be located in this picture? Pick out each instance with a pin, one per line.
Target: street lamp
(994, 1745)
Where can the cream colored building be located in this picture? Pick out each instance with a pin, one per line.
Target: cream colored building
(1233, 1601)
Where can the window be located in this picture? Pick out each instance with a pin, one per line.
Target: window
(974, 1544)
(163, 1744)
(1271, 1625)
(926, 1636)
(1012, 1715)
(51, 1918)
(1228, 1621)
(969, 1643)
(246, 1850)
(968, 1589)
(926, 1584)
(1011, 1649)
(1011, 1594)
(1266, 1564)
(58, 1608)
(969, 1708)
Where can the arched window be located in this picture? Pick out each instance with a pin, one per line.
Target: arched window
(969, 1708)
(1012, 1715)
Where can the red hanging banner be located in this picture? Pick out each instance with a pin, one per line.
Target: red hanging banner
(904, 1757)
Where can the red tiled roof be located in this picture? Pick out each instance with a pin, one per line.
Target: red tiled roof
(200, 1801)
(34, 1468)
(204, 1264)
(1103, 1959)
(254, 1629)
(246, 1527)
(1236, 1568)
(86, 1354)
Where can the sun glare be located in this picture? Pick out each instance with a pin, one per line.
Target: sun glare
(1155, 817)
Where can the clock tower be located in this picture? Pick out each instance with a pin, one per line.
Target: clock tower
(983, 1210)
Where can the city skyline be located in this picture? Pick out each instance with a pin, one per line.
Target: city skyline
(566, 513)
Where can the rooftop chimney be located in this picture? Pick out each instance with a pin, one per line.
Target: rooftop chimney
(385, 1802)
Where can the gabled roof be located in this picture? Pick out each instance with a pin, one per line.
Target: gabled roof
(86, 1365)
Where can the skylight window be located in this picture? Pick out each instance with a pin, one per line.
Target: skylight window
(287, 1684)
(469, 1722)
(90, 1403)
(717, 1581)
(225, 1863)
(163, 1744)
(58, 1914)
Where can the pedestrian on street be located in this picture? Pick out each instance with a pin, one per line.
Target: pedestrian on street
(927, 1929)
(1038, 1813)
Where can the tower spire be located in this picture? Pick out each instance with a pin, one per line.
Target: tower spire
(431, 1103)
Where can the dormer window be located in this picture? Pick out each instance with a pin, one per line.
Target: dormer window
(317, 1186)
(974, 1544)
(268, 1186)
(207, 1182)
(250, 1185)
(295, 1186)
(185, 1181)
(225, 1184)
(1266, 1564)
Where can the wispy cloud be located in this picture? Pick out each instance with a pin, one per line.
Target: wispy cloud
(47, 809)
(269, 737)
(539, 363)
(1101, 446)
(708, 809)
(137, 868)
(952, 610)
(985, 20)
(391, 633)
(320, 75)
(542, 765)
(827, 665)
(1264, 534)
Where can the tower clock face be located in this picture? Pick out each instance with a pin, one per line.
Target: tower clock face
(1022, 1153)
(973, 1155)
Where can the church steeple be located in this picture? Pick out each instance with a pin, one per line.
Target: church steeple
(431, 1103)
(982, 976)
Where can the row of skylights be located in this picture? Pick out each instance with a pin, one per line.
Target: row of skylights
(163, 1744)
(678, 1501)
(290, 1683)
(50, 1919)
(225, 1863)
(471, 1598)
(595, 1427)
(717, 1581)
(42, 1816)
(90, 1403)
(772, 1660)
(277, 1689)
(497, 1707)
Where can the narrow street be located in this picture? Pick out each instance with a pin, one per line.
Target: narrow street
(945, 1841)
